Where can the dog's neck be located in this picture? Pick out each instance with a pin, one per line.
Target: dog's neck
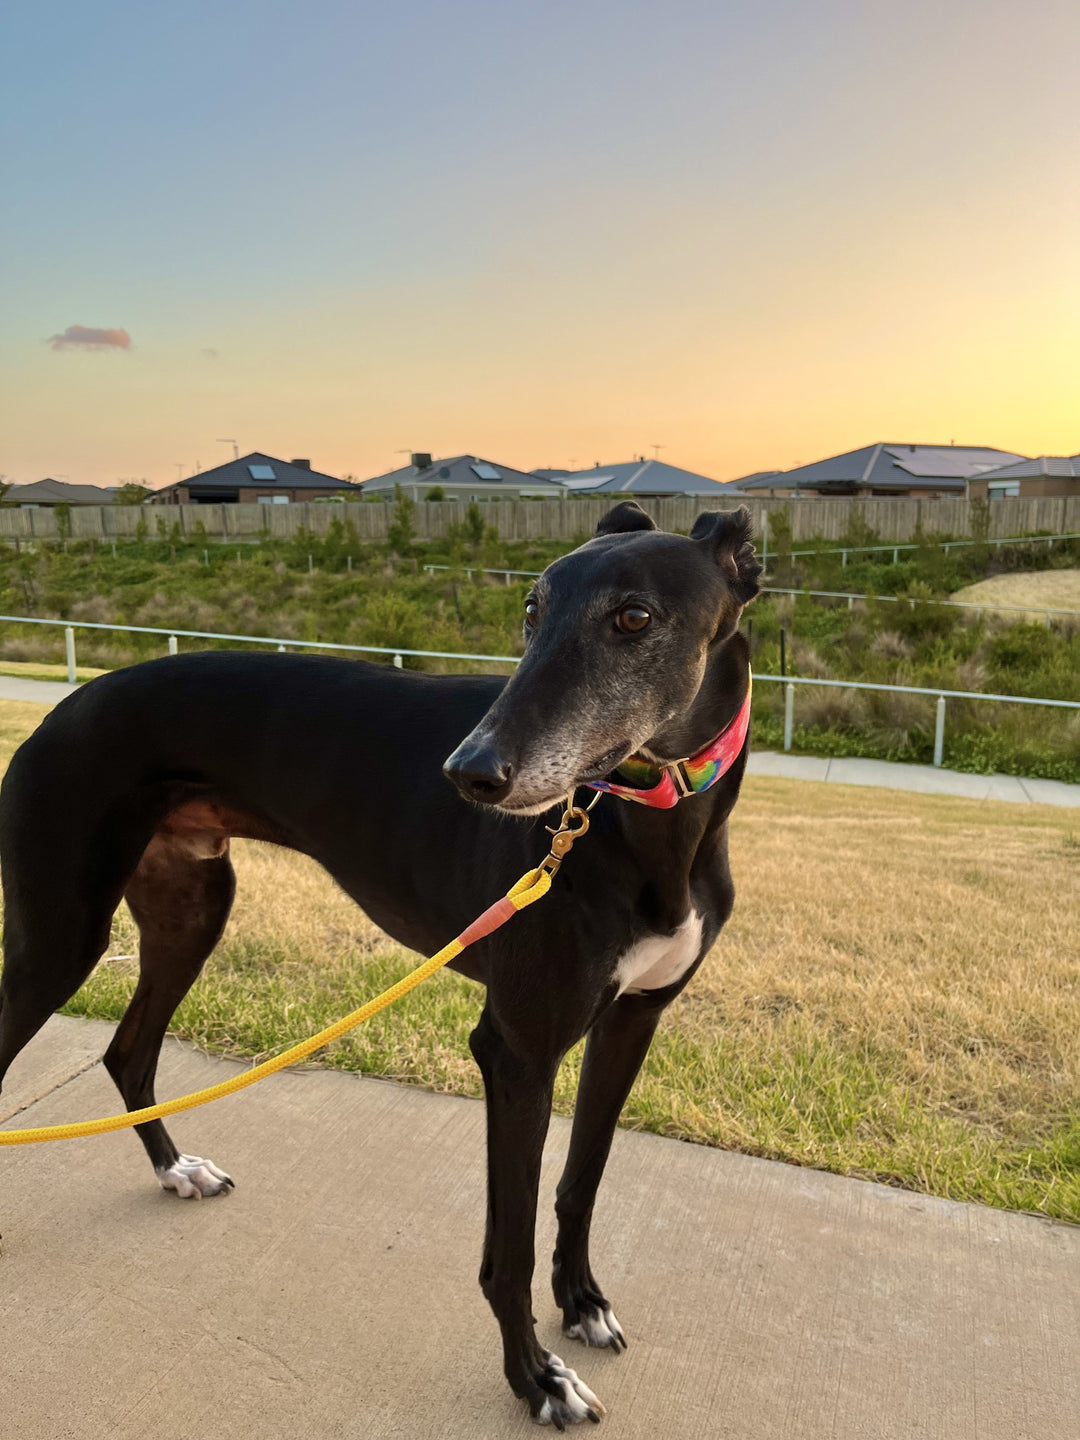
(721, 692)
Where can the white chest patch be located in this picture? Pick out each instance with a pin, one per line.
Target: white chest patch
(660, 960)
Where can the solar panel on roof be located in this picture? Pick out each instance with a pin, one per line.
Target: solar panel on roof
(262, 472)
(483, 471)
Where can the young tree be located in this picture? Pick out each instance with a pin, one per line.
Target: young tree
(402, 531)
(131, 493)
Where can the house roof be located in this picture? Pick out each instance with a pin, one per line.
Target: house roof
(636, 477)
(890, 466)
(57, 492)
(462, 471)
(236, 474)
(750, 482)
(1060, 466)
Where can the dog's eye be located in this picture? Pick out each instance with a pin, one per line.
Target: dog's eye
(532, 614)
(632, 620)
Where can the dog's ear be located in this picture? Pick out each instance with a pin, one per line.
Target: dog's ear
(624, 518)
(729, 534)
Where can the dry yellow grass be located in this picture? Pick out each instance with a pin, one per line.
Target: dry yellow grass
(896, 996)
(42, 670)
(1043, 589)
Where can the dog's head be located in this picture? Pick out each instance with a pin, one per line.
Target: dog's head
(618, 634)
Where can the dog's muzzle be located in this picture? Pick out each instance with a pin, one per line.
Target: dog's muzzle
(479, 771)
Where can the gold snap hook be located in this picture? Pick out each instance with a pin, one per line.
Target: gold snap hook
(564, 835)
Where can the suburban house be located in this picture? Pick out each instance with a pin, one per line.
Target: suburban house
(465, 477)
(635, 477)
(1045, 475)
(886, 469)
(255, 479)
(44, 494)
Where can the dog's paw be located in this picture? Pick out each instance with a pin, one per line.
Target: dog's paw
(596, 1325)
(568, 1400)
(192, 1178)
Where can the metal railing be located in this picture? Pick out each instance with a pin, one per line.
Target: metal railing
(398, 654)
(845, 550)
(849, 595)
(790, 681)
(842, 550)
(910, 600)
(472, 570)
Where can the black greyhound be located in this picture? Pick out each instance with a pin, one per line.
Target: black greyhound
(133, 786)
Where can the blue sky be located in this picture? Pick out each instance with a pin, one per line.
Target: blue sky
(753, 233)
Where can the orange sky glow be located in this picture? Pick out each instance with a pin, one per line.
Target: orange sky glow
(751, 238)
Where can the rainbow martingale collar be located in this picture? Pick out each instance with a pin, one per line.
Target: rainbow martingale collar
(670, 783)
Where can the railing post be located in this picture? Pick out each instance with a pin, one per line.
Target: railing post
(174, 645)
(939, 732)
(896, 556)
(69, 646)
(398, 661)
(843, 559)
(789, 714)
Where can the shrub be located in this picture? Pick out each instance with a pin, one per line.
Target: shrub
(402, 531)
(890, 646)
(474, 524)
(830, 709)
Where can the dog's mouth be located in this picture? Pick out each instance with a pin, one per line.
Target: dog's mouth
(596, 770)
(605, 763)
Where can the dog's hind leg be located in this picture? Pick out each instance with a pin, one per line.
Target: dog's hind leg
(52, 941)
(618, 1043)
(180, 904)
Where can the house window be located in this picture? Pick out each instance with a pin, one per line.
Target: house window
(273, 499)
(1000, 488)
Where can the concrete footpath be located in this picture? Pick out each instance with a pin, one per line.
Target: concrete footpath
(922, 779)
(334, 1293)
(40, 692)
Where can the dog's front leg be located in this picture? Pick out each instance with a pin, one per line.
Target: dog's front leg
(518, 1087)
(618, 1043)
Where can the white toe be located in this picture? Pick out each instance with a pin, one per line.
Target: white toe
(192, 1178)
(600, 1329)
(574, 1403)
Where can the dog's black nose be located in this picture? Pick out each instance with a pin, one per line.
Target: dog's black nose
(480, 772)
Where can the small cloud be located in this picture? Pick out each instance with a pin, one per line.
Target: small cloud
(89, 337)
(209, 354)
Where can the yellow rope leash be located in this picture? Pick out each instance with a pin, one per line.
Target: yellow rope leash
(532, 886)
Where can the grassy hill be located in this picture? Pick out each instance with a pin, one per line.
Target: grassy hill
(342, 590)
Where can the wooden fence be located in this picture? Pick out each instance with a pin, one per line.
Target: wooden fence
(568, 519)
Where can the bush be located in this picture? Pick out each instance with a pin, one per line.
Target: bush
(401, 534)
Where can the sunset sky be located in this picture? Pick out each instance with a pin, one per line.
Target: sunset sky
(547, 233)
